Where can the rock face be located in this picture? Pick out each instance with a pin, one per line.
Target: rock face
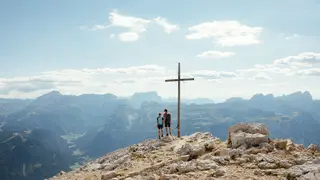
(248, 154)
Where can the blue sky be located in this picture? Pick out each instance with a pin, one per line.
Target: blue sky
(125, 46)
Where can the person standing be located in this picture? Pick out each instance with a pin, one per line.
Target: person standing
(167, 121)
(160, 125)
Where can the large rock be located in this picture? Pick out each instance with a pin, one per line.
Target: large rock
(247, 135)
(203, 165)
(314, 148)
(303, 172)
(193, 150)
(109, 175)
(242, 138)
(199, 136)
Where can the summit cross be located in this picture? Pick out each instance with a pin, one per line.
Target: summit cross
(179, 81)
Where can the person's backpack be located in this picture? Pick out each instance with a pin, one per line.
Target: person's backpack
(159, 119)
(168, 117)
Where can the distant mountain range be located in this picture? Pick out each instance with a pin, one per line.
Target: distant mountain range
(54, 132)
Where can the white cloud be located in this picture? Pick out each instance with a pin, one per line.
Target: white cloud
(226, 33)
(215, 54)
(134, 24)
(95, 28)
(292, 36)
(168, 27)
(120, 81)
(99, 27)
(267, 68)
(302, 59)
(261, 76)
(128, 36)
(290, 65)
(208, 74)
(309, 72)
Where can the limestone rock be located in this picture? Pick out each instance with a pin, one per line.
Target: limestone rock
(267, 165)
(210, 145)
(280, 144)
(206, 165)
(109, 175)
(303, 172)
(168, 177)
(254, 128)
(185, 167)
(199, 136)
(313, 148)
(285, 164)
(241, 138)
(234, 153)
(197, 150)
(219, 172)
(185, 149)
(167, 139)
(184, 157)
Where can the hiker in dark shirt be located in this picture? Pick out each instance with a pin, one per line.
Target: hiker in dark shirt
(160, 125)
(167, 121)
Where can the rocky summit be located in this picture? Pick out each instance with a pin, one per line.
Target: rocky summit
(248, 153)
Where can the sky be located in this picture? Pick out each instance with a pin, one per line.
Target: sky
(231, 48)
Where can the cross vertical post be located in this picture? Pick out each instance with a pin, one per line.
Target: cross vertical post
(179, 82)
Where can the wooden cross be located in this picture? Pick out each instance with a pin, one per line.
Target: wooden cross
(179, 80)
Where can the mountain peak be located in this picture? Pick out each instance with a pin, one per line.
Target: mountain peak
(51, 94)
(248, 153)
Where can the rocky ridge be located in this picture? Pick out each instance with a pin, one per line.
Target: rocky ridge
(248, 153)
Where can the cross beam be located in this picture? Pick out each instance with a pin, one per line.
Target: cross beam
(179, 81)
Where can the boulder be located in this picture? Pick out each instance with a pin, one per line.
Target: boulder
(285, 164)
(241, 138)
(184, 157)
(167, 139)
(280, 144)
(306, 171)
(185, 167)
(247, 134)
(185, 149)
(218, 173)
(193, 150)
(197, 150)
(109, 175)
(314, 148)
(199, 136)
(203, 165)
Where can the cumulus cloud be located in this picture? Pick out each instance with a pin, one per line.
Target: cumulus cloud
(102, 80)
(168, 27)
(208, 74)
(79, 81)
(226, 33)
(291, 65)
(302, 59)
(134, 24)
(30, 84)
(128, 36)
(309, 72)
(261, 76)
(215, 54)
(294, 36)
